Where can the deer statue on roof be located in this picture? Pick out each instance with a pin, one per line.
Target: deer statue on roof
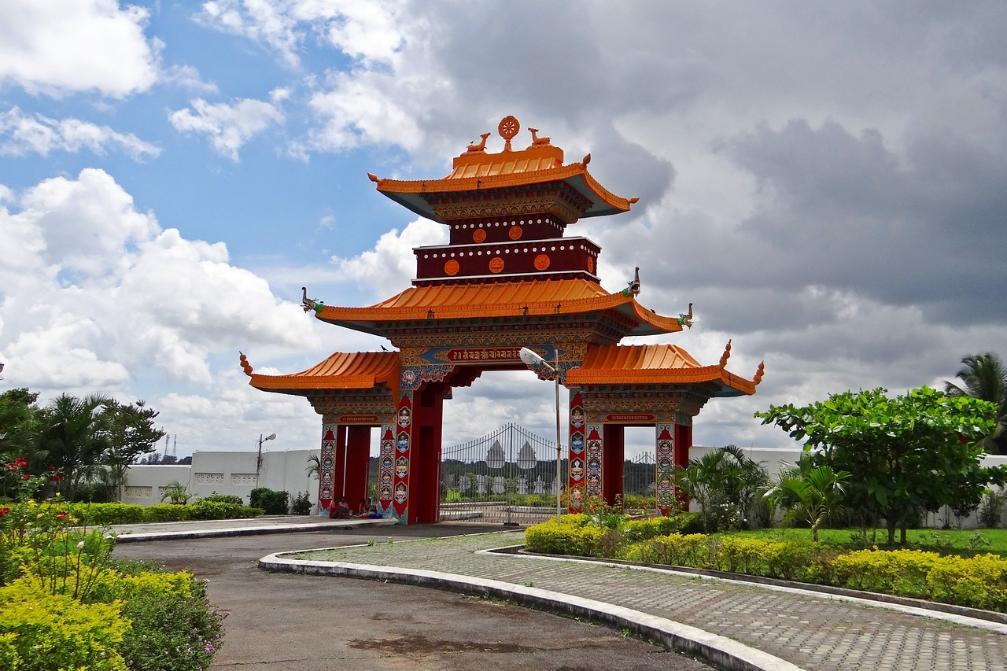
(478, 147)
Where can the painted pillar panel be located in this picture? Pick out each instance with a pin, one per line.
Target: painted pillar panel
(326, 463)
(665, 453)
(403, 444)
(386, 467)
(358, 446)
(578, 443)
(593, 455)
(614, 436)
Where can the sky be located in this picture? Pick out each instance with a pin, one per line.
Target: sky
(825, 182)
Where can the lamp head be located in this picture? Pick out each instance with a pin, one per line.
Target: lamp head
(530, 358)
(270, 437)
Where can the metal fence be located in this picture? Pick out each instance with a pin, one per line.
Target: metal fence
(507, 476)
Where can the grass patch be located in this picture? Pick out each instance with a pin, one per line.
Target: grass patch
(944, 541)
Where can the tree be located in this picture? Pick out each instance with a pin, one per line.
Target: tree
(19, 423)
(813, 494)
(73, 438)
(176, 493)
(984, 376)
(314, 467)
(905, 455)
(725, 483)
(131, 434)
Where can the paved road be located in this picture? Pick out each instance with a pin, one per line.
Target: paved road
(806, 630)
(303, 623)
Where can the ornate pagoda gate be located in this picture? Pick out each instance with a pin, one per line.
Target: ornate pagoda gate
(507, 279)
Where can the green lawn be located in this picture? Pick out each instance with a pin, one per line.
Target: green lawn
(940, 540)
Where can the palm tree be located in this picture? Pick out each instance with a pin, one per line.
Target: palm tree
(176, 493)
(725, 476)
(813, 494)
(984, 376)
(74, 439)
(314, 466)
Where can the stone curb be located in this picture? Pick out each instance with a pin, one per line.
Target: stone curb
(969, 617)
(244, 531)
(720, 651)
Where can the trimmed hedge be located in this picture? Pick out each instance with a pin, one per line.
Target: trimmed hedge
(978, 582)
(98, 514)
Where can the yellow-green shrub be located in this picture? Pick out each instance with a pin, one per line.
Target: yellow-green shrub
(979, 581)
(53, 631)
(111, 585)
(568, 536)
(902, 572)
(673, 550)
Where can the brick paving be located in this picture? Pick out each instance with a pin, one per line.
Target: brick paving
(810, 632)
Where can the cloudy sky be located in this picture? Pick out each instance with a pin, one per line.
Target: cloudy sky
(826, 182)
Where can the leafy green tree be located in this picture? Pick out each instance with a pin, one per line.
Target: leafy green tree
(19, 424)
(314, 467)
(985, 376)
(811, 493)
(176, 493)
(131, 434)
(73, 438)
(905, 455)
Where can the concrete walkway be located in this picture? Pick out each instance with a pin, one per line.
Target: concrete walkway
(133, 533)
(807, 630)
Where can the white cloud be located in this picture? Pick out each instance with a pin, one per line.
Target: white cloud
(229, 126)
(57, 47)
(365, 30)
(186, 77)
(96, 295)
(390, 266)
(22, 134)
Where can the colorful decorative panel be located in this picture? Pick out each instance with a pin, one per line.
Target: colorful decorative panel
(386, 467)
(575, 481)
(665, 467)
(403, 440)
(593, 454)
(327, 467)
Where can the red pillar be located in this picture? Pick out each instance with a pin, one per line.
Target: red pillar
(339, 459)
(425, 466)
(683, 441)
(358, 446)
(613, 457)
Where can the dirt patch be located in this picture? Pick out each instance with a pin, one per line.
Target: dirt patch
(419, 644)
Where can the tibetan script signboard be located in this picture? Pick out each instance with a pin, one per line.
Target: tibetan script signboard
(484, 355)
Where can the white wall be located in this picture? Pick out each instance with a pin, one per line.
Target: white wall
(224, 473)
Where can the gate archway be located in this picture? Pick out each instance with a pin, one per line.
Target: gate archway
(508, 278)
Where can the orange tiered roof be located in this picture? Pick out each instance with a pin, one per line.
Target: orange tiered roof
(476, 170)
(341, 370)
(501, 299)
(655, 364)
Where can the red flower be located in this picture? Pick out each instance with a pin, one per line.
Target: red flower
(4, 511)
(57, 477)
(61, 516)
(26, 476)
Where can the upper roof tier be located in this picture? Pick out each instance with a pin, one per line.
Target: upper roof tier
(529, 298)
(487, 185)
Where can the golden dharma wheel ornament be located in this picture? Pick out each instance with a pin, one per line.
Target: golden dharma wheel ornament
(508, 129)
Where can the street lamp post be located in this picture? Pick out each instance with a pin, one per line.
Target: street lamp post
(541, 367)
(258, 458)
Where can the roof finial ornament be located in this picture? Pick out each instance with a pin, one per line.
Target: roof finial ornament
(587, 159)
(726, 355)
(310, 303)
(537, 141)
(477, 148)
(759, 372)
(508, 129)
(245, 366)
(686, 319)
